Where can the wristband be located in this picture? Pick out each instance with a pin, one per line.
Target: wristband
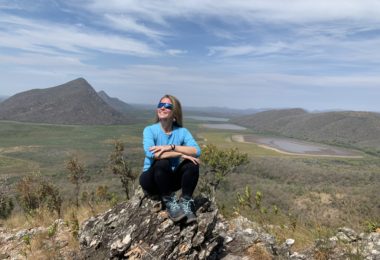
(172, 146)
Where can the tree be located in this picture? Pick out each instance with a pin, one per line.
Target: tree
(76, 172)
(6, 202)
(218, 164)
(119, 166)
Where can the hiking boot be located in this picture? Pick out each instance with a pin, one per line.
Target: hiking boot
(187, 205)
(174, 210)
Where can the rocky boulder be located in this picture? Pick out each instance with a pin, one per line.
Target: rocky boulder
(347, 244)
(136, 230)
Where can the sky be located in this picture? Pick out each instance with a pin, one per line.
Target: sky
(316, 55)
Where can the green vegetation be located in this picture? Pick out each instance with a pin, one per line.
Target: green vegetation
(76, 174)
(302, 197)
(6, 202)
(349, 129)
(218, 164)
(120, 167)
(292, 196)
(34, 192)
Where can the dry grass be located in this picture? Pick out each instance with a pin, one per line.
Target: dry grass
(18, 220)
(56, 241)
(258, 252)
(44, 218)
(85, 212)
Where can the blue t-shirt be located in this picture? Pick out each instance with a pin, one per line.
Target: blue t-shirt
(153, 135)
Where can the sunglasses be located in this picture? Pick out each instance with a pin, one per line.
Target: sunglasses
(165, 105)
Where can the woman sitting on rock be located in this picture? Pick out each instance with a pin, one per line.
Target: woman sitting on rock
(165, 143)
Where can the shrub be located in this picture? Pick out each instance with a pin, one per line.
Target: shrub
(217, 165)
(119, 166)
(76, 174)
(34, 192)
(6, 202)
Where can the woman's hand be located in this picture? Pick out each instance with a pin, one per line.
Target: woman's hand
(159, 150)
(191, 158)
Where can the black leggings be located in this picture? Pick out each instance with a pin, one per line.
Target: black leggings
(162, 180)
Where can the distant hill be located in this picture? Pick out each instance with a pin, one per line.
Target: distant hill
(347, 128)
(2, 98)
(116, 103)
(74, 102)
(220, 111)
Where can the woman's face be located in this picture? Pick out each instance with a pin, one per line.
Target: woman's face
(164, 111)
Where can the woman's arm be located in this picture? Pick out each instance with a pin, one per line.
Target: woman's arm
(164, 151)
(187, 150)
(174, 150)
(172, 154)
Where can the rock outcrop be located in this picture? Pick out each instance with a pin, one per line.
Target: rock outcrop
(134, 230)
(347, 244)
(137, 230)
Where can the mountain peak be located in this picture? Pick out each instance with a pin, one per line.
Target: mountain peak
(74, 102)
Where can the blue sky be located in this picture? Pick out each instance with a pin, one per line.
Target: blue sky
(241, 54)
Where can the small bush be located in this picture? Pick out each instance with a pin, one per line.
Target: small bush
(76, 174)
(34, 192)
(6, 202)
(217, 165)
(121, 167)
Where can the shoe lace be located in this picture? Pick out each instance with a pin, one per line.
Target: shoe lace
(187, 205)
(172, 203)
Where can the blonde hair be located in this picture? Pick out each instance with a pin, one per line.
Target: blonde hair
(177, 110)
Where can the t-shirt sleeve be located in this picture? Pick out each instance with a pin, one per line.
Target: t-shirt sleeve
(148, 141)
(190, 141)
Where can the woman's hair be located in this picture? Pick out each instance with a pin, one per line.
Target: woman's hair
(177, 110)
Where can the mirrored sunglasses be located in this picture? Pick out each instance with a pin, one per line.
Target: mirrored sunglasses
(165, 105)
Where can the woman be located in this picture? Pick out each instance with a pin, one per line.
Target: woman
(165, 143)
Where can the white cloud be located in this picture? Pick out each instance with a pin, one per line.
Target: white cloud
(260, 53)
(293, 11)
(176, 52)
(128, 24)
(40, 36)
(42, 60)
(9, 5)
(228, 51)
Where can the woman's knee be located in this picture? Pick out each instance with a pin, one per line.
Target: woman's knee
(145, 179)
(189, 166)
(163, 164)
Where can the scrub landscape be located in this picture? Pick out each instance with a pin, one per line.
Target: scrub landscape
(306, 193)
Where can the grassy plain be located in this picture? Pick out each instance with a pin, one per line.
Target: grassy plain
(29, 148)
(310, 195)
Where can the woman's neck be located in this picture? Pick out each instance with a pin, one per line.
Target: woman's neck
(167, 126)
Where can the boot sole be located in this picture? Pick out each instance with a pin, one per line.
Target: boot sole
(189, 221)
(177, 219)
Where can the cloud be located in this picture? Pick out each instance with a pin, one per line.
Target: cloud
(259, 53)
(228, 51)
(128, 24)
(9, 6)
(41, 36)
(317, 29)
(175, 52)
(292, 11)
(41, 60)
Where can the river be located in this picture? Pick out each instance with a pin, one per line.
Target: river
(298, 147)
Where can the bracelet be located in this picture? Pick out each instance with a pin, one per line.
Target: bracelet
(172, 146)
